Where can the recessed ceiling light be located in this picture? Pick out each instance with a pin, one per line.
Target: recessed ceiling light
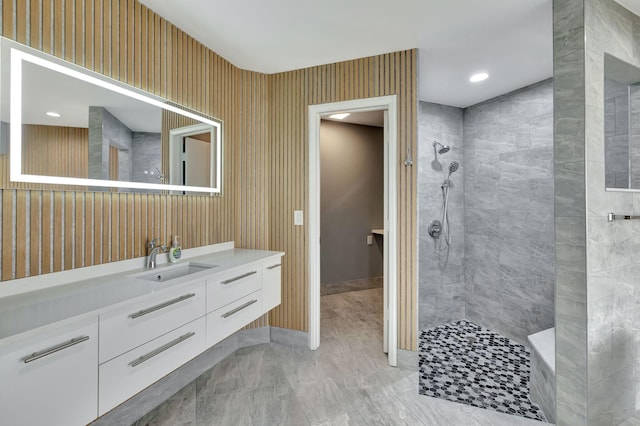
(53, 114)
(481, 76)
(340, 116)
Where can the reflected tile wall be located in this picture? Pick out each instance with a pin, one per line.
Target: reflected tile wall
(509, 231)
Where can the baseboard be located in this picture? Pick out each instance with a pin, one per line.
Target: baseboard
(352, 285)
(287, 337)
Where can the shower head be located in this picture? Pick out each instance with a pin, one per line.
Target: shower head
(442, 149)
(453, 167)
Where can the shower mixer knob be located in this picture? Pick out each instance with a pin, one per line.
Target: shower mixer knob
(435, 229)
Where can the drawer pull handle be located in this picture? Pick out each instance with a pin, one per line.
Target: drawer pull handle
(162, 305)
(239, 277)
(161, 349)
(274, 266)
(239, 308)
(37, 355)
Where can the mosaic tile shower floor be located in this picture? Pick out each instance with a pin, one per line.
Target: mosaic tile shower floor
(465, 363)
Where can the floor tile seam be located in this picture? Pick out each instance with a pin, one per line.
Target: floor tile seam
(255, 421)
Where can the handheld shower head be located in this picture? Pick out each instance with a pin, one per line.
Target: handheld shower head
(443, 148)
(453, 167)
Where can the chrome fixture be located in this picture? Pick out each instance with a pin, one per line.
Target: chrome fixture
(453, 167)
(435, 228)
(408, 161)
(611, 217)
(154, 249)
(443, 148)
(440, 227)
(157, 173)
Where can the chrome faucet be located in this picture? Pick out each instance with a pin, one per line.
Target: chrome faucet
(153, 249)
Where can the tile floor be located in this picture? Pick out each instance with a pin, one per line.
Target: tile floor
(345, 382)
(463, 362)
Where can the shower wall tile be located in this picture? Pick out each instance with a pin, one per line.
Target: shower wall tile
(612, 247)
(441, 279)
(509, 220)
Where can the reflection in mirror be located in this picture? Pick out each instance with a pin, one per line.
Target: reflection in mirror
(621, 124)
(71, 126)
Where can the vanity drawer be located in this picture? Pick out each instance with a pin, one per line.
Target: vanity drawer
(232, 285)
(132, 325)
(50, 376)
(128, 374)
(232, 317)
(271, 283)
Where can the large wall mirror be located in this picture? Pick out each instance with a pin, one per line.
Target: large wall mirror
(63, 124)
(621, 124)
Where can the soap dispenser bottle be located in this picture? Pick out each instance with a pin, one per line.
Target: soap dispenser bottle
(175, 251)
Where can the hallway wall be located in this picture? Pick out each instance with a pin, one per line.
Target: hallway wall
(351, 201)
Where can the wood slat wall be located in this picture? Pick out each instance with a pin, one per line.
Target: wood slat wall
(265, 163)
(293, 92)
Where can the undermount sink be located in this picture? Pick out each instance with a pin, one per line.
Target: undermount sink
(175, 271)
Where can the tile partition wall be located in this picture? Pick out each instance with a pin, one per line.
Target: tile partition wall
(612, 247)
(508, 209)
(441, 290)
(265, 173)
(570, 210)
(596, 290)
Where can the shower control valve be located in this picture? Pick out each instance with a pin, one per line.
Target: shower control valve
(435, 229)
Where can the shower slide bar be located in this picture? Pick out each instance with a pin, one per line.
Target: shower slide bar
(611, 217)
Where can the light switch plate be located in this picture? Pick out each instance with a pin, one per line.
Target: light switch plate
(369, 240)
(298, 218)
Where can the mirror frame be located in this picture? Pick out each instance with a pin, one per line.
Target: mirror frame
(20, 53)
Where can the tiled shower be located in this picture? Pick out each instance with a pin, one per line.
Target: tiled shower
(500, 270)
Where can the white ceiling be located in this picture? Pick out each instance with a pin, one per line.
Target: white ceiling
(510, 39)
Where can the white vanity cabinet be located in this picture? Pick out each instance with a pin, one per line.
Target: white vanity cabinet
(73, 369)
(233, 284)
(49, 376)
(134, 324)
(133, 371)
(271, 283)
(225, 321)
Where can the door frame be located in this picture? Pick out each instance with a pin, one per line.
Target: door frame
(390, 247)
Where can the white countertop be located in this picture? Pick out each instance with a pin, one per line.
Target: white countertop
(29, 310)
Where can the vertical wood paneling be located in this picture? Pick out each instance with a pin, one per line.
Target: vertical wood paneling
(35, 230)
(21, 232)
(292, 92)
(7, 233)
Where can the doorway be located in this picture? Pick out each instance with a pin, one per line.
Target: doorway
(387, 104)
